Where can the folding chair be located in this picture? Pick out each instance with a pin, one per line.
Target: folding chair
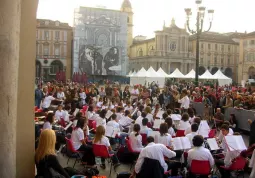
(130, 149)
(180, 133)
(75, 153)
(144, 138)
(212, 133)
(200, 168)
(237, 165)
(102, 152)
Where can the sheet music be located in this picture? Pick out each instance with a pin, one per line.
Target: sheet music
(153, 133)
(160, 114)
(235, 142)
(176, 117)
(136, 109)
(108, 114)
(157, 123)
(70, 123)
(177, 144)
(111, 131)
(185, 143)
(213, 144)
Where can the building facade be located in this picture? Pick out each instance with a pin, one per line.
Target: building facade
(217, 51)
(168, 50)
(246, 65)
(53, 49)
(101, 39)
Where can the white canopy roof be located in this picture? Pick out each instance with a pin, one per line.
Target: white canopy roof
(176, 74)
(220, 75)
(191, 74)
(141, 73)
(207, 75)
(152, 73)
(133, 74)
(162, 73)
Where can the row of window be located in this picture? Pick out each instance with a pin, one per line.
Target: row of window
(46, 35)
(46, 50)
(216, 46)
(216, 61)
(250, 42)
(250, 56)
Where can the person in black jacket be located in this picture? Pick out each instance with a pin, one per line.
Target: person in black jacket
(252, 132)
(45, 157)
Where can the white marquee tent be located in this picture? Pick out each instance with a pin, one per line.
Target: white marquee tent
(206, 75)
(191, 74)
(176, 74)
(143, 76)
(222, 79)
(162, 73)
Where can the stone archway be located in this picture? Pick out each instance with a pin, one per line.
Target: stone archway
(251, 72)
(214, 70)
(228, 72)
(201, 70)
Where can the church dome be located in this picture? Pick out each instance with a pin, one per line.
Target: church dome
(126, 4)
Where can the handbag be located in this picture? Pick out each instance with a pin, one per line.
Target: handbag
(51, 173)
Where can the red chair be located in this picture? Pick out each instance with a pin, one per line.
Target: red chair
(35, 108)
(130, 149)
(90, 124)
(149, 125)
(238, 165)
(144, 138)
(212, 133)
(94, 125)
(199, 167)
(180, 133)
(102, 152)
(75, 153)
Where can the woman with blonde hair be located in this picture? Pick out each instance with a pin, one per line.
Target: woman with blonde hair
(45, 156)
(149, 116)
(101, 139)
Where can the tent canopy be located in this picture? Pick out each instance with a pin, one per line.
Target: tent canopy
(141, 73)
(220, 75)
(207, 75)
(162, 73)
(176, 74)
(152, 73)
(191, 74)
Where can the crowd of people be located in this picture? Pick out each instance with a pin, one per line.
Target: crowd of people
(132, 112)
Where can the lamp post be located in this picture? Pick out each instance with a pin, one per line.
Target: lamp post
(199, 29)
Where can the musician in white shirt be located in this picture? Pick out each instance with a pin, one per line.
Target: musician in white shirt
(144, 128)
(169, 122)
(90, 113)
(100, 103)
(126, 121)
(185, 101)
(49, 121)
(190, 136)
(199, 152)
(59, 113)
(184, 123)
(83, 96)
(149, 116)
(136, 139)
(197, 121)
(225, 132)
(164, 137)
(156, 152)
(129, 107)
(230, 132)
(101, 120)
(60, 94)
(139, 120)
(47, 101)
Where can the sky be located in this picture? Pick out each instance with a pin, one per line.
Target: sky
(149, 15)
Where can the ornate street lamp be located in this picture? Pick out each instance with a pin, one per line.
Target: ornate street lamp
(199, 28)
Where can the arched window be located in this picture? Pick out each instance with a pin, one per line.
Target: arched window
(56, 66)
(140, 52)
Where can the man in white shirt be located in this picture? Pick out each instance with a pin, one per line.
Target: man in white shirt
(154, 151)
(190, 136)
(60, 113)
(199, 152)
(139, 120)
(185, 101)
(47, 101)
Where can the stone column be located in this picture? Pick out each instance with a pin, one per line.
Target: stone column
(17, 72)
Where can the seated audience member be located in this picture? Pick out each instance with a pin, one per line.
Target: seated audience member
(101, 139)
(79, 142)
(145, 129)
(126, 121)
(101, 120)
(199, 153)
(139, 120)
(47, 101)
(230, 131)
(169, 122)
(136, 139)
(49, 121)
(45, 156)
(218, 117)
(164, 137)
(190, 136)
(155, 152)
(59, 113)
(184, 123)
(229, 157)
